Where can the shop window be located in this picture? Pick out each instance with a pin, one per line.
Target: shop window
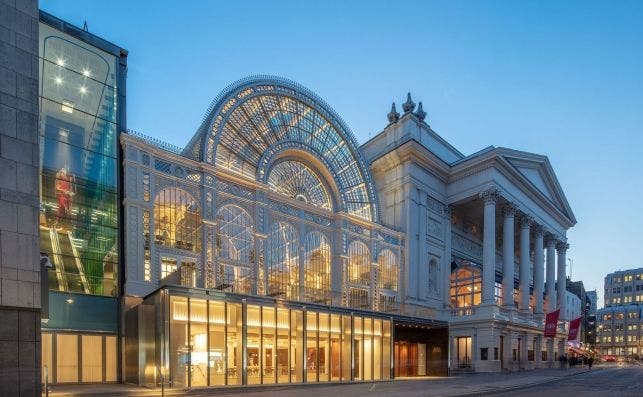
(234, 344)
(463, 344)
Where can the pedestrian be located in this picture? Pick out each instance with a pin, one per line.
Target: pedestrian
(590, 361)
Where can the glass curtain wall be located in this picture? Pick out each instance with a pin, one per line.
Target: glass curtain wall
(283, 261)
(79, 166)
(317, 256)
(359, 274)
(234, 249)
(177, 220)
(209, 345)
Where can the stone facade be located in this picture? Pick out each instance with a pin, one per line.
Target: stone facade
(19, 200)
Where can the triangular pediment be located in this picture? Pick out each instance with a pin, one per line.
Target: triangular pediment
(539, 173)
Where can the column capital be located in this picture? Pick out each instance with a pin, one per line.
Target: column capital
(539, 230)
(489, 196)
(550, 240)
(509, 210)
(526, 221)
(562, 247)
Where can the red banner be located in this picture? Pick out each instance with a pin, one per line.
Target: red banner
(574, 325)
(551, 323)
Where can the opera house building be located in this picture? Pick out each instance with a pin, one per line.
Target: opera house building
(274, 247)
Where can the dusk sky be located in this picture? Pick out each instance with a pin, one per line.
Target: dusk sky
(563, 79)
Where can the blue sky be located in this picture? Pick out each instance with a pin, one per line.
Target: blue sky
(554, 78)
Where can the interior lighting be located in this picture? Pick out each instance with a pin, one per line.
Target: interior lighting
(86, 72)
(60, 62)
(83, 89)
(58, 80)
(70, 301)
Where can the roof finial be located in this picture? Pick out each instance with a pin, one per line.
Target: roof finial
(420, 113)
(393, 115)
(409, 105)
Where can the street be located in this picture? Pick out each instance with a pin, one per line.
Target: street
(625, 380)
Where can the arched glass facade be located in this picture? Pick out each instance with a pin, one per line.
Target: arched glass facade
(387, 262)
(234, 249)
(297, 181)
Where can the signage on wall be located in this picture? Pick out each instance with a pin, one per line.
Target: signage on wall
(551, 322)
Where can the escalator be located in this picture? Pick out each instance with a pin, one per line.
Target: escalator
(68, 268)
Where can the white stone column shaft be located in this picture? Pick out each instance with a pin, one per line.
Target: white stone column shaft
(509, 213)
(489, 197)
(525, 228)
(551, 274)
(562, 279)
(539, 262)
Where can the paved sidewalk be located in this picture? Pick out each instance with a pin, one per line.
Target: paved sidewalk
(463, 385)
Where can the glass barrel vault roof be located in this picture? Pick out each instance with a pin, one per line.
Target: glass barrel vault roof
(255, 119)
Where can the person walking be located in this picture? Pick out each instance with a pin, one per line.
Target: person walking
(590, 361)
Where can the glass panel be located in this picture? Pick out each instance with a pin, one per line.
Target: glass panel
(388, 270)
(386, 349)
(179, 347)
(324, 347)
(466, 286)
(216, 351)
(283, 261)
(283, 345)
(47, 357)
(358, 349)
(111, 357)
(177, 220)
(317, 258)
(92, 348)
(359, 263)
(335, 346)
(377, 349)
(268, 349)
(234, 345)
(347, 362)
(296, 346)
(312, 357)
(368, 348)
(235, 240)
(296, 181)
(253, 345)
(67, 358)
(198, 342)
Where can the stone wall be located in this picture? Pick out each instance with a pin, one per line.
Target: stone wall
(19, 200)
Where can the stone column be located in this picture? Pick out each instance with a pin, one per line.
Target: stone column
(525, 229)
(551, 356)
(538, 351)
(509, 213)
(446, 262)
(507, 351)
(562, 247)
(539, 261)
(551, 273)
(489, 197)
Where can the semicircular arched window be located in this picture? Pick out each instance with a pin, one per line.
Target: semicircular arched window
(317, 256)
(283, 261)
(177, 219)
(296, 181)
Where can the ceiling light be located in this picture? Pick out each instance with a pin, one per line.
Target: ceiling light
(83, 90)
(86, 72)
(70, 301)
(58, 80)
(60, 62)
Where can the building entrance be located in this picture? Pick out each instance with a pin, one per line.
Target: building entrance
(420, 350)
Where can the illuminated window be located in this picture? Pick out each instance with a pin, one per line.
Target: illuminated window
(168, 266)
(296, 181)
(283, 261)
(177, 219)
(359, 263)
(234, 248)
(466, 286)
(147, 267)
(387, 262)
(317, 256)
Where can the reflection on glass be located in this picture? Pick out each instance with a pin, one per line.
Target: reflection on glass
(377, 349)
(317, 268)
(296, 346)
(177, 220)
(386, 350)
(335, 346)
(179, 348)
(234, 346)
(347, 348)
(368, 348)
(312, 356)
(253, 371)
(198, 342)
(324, 347)
(268, 348)
(283, 345)
(217, 348)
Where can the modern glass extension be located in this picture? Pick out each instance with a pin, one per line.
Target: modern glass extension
(193, 338)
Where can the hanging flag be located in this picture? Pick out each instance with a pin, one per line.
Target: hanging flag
(574, 325)
(551, 323)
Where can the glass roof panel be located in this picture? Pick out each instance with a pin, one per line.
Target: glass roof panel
(294, 180)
